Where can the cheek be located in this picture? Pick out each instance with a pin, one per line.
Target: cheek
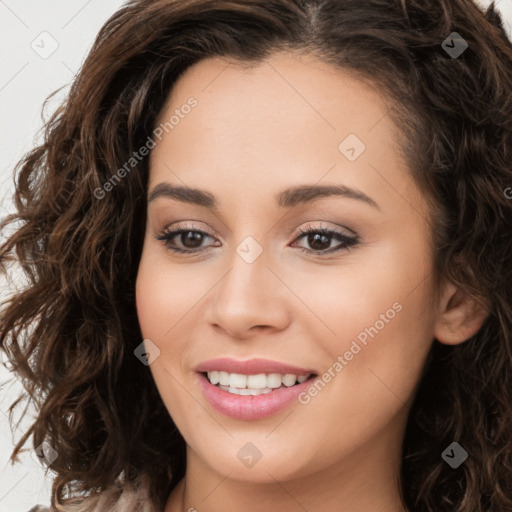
(362, 290)
(157, 304)
(161, 295)
(158, 309)
(379, 320)
(148, 296)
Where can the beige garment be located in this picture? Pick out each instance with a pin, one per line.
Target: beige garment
(134, 498)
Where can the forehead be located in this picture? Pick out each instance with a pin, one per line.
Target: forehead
(297, 96)
(281, 122)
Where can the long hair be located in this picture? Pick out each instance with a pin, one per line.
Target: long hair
(70, 332)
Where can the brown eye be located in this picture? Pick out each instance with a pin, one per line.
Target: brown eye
(190, 239)
(319, 239)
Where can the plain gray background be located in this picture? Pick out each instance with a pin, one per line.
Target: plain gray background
(42, 46)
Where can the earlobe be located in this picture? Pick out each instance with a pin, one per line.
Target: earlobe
(460, 316)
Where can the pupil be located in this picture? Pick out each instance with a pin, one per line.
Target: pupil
(312, 239)
(190, 236)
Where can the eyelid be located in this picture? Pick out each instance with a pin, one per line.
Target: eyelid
(187, 226)
(342, 230)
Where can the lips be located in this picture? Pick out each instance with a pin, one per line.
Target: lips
(250, 407)
(251, 367)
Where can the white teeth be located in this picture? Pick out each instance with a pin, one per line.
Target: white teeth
(236, 380)
(289, 379)
(274, 380)
(258, 382)
(246, 391)
(224, 378)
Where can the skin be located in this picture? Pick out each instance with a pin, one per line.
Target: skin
(254, 133)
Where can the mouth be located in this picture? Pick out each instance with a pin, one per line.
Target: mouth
(252, 389)
(254, 384)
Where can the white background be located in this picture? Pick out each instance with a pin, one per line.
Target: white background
(26, 79)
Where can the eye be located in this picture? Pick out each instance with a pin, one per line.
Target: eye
(189, 237)
(318, 238)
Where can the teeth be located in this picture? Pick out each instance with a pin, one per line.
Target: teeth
(224, 378)
(256, 381)
(235, 382)
(246, 391)
(274, 380)
(289, 379)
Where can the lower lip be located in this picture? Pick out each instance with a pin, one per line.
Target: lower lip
(249, 407)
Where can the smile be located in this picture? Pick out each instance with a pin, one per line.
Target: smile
(261, 383)
(251, 390)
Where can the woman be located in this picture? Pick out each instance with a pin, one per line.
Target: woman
(270, 263)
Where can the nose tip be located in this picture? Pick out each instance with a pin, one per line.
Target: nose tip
(247, 304)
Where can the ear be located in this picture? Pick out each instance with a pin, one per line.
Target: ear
(459, 316)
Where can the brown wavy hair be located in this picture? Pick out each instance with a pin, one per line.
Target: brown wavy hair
(70, 332)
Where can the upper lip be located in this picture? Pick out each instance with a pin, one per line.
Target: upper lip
(251, 367)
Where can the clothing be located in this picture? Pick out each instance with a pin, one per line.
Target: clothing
(131, 498)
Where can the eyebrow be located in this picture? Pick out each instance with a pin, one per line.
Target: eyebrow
(301, 194)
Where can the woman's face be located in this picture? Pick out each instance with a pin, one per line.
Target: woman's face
(355, 313)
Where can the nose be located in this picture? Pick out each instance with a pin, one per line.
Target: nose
(249, 300)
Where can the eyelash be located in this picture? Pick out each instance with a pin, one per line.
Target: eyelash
(347, 241)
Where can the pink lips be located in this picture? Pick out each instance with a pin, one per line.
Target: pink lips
(250, 407)
(250, 367)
